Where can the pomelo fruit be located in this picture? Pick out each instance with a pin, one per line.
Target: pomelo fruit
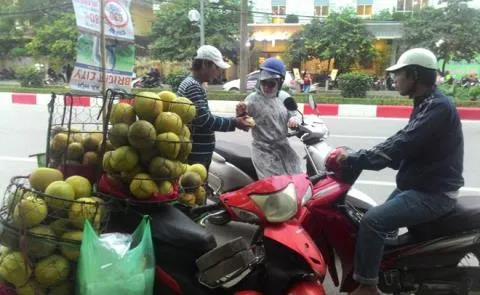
(169, 122)
(148, 106)
(141, 135)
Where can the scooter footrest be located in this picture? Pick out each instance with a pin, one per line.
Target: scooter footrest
(221, 253)
(228, 269)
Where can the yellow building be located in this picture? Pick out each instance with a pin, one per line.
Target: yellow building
(271, 39)
(142, 16)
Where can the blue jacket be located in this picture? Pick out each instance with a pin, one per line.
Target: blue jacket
(428, 151)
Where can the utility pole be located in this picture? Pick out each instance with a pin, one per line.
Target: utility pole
(202, 23)
(243, 45)
(103, 56)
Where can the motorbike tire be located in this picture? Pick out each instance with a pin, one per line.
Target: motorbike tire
(237, 262)
(221, 253)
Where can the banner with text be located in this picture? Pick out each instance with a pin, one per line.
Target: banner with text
(87, 75)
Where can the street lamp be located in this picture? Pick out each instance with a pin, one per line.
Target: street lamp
(194, 16)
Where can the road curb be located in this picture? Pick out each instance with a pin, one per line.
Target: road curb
(217, 106)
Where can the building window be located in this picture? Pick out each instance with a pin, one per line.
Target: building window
(278, 10)
(321, 7)
(321, 10)
(410, 5)
(364, 9)
(278, 7)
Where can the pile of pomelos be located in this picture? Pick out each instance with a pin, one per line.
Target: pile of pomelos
(151, 142)
(48, 214)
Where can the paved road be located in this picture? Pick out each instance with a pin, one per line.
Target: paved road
(23, 132)
(382, 93)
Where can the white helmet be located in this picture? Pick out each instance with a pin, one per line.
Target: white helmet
(416, 56)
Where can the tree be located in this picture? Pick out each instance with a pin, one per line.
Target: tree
(18, 18)
(343, 37)
(291, 19)
(451, 32)
(387, 15)
(10, 36)
(57, 40)
(175, 38)
(296, 54)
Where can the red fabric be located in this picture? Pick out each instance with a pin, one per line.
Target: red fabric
(119, 190)
(166, 279)
(87, 171)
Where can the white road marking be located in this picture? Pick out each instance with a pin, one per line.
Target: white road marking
(357, 136)
(17, 159)
(393, 184)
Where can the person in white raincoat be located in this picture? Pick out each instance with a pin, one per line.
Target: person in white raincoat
(271, 151)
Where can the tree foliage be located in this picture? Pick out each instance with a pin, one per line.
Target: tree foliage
(10, 36)
(24, 18)
(452, 32)
(341, 36)
(56, 40)
(388, 15)
(175, 38)
(291, 19)
(296, 53)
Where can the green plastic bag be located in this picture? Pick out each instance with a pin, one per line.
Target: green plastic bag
(127, 270)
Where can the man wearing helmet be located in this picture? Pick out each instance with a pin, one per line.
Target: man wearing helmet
(428, 154)
(271, 151)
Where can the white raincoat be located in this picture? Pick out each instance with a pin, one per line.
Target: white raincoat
(271, 151)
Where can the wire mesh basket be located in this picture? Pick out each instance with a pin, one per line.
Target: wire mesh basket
(150, 136)
(42, 234)
(75, 136)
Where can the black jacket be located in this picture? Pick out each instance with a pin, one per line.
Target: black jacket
(428, 151)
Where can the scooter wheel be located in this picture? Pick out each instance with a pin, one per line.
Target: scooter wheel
(221, 253)
(235, 263)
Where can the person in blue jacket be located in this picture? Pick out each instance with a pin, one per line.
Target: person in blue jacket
(428, 154)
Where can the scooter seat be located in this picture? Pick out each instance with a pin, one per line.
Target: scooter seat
(170, 226)
(465, 217)
(238, 155)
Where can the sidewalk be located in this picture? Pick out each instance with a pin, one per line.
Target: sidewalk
(339, 110)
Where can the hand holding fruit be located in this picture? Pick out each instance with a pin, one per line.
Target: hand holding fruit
(241, 109)
(243, 123)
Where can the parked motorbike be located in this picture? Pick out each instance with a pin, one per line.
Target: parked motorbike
(55, 79)
(281, 258)
(232, 167)
(146, 82)
(7, 74)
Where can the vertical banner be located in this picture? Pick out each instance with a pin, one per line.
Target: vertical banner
(87, 75)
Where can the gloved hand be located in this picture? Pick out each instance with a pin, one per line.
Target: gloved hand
(292, 123)
(335, 160)
(241, 109)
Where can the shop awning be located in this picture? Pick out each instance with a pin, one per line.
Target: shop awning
(270, 36)
(385, 29)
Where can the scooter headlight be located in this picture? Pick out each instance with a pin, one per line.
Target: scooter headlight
(279, 206)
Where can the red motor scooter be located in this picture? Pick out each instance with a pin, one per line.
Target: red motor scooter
(281, 258)
(432, 258)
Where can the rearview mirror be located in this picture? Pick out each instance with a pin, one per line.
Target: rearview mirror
(312, 103)
(290, 104)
